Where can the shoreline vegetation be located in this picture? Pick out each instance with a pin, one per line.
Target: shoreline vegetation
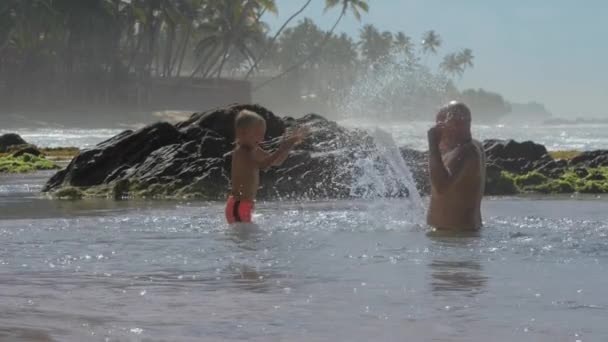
(17, 156)
(581, 180)
(25, 163)
(106, 58)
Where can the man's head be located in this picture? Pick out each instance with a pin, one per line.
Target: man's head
(455, 121)
(250, 128)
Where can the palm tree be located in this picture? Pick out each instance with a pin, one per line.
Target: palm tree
(341, 51)
(465, 57)
(375, 45)
(339, 59)
(233, 24)
(299, 42)
(272, 41)
(355, 6)
(431, 41)
(7, 21)
(191, 11)
(403, 43)
(452, 65)
(368, 41)
(246, 22)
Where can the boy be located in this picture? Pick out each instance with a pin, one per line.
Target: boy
(247, 161)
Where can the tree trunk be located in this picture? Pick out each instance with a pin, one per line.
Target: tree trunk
(224, 58)
(309, 57)
(183, 50)
(274, 39)
(235, 33)
(201, 64)
(169, 52)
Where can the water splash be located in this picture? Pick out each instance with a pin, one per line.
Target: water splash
(394, 88)
(397, 87)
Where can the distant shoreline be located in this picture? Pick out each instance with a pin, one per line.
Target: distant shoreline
(577, 121)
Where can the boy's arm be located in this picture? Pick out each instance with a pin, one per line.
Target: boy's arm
(260, 155)
(265, 160)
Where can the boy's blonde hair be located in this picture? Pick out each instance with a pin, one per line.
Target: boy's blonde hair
(247, 118)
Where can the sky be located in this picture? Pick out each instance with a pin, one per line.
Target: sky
(551, 51)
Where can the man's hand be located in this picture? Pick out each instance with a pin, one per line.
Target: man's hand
(434, 135)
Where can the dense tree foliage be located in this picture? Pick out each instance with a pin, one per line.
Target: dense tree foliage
(85, 47)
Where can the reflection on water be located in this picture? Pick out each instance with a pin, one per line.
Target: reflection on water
(457, 276)
(464, 275)
(340, 270)
(23, 334)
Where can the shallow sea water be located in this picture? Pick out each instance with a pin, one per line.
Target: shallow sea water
(411, 134)
(321, 271)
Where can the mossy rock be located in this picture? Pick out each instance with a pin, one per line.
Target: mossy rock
(596, 175)
(593, 187)
(69, 193)
(25, 163)
(553, 186)
(121, 189)
(501, 183)
(530, 179)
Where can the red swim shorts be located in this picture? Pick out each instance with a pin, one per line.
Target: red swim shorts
(238, 211)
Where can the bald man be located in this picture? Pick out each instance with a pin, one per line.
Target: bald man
(457, 170)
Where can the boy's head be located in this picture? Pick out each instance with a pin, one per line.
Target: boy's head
(250, 128)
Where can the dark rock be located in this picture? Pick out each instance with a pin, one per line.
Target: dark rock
(581, 173)
(595, 176)
(91, 167)
(29, 149)
(516, 157)
(597, 158)
(551, 168)
(10, 140)
(221, 121)
(510, 149)
(191, 159)
(497, 183)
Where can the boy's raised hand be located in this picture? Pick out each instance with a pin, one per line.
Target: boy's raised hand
(296, 136)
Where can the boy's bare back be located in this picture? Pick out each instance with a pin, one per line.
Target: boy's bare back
(248, 158)
(245, 173)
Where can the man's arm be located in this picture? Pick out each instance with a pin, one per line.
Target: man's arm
(442, 176)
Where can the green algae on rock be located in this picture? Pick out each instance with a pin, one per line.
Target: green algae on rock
(591, 181)
(25, 163)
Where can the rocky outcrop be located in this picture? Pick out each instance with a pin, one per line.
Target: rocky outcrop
(597, 158)
(514, 167)
(27, 149)
(514, 156)
(527, 167)
(190, 159)
(10, 140)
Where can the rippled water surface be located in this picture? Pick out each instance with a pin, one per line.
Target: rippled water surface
(555, 137)
(341, 271)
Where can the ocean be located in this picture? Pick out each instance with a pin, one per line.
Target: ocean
(357, 270)
(413, 134)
